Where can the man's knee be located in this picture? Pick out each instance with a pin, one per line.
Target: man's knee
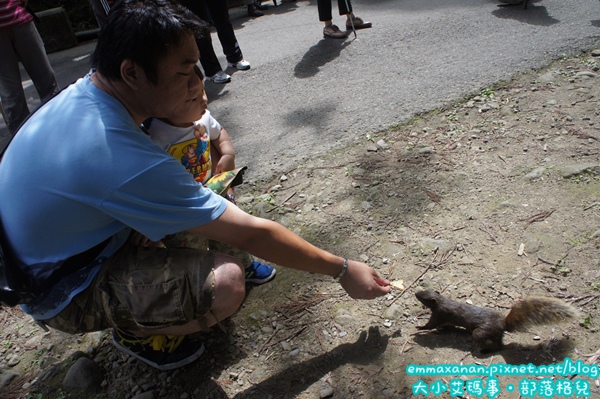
(229, 282)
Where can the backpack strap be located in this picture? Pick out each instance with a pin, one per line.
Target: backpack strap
(13, 282)
(16, 287)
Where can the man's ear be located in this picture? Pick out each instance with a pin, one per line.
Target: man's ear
(131, 73)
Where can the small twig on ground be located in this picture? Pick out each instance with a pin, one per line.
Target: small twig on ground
(543, 261)
(588, 301)
(297, 306)
(374, 373)
(583, 135)
(283, 203)
(579, 101)
(538, 217)
(369, 246)
(14, 390)
(289, 336)
(390, 222)
(464, 357)
(286, 188)
(581, 298)
(331, 167)
(391, 269)
(403, 346)
(423, 332)
(544, 283)
(269, 339)
(593, 357)
(486, 230)
(591, 206)
(434, 197)
(589, 298)
(318, 335)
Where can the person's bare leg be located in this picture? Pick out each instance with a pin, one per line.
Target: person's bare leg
(228, 296)
(230, 289)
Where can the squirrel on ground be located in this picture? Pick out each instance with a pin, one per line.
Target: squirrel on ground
(488, 326)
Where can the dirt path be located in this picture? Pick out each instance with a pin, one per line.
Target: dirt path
(489, 201)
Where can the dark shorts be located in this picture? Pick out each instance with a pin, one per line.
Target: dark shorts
(142, 288)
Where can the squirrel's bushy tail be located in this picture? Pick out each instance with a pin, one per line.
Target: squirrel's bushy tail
(537, 311)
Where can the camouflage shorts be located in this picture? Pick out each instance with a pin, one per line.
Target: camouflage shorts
(141, 288)
(193, 241)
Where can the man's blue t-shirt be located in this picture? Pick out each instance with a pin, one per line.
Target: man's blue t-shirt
(79, 172)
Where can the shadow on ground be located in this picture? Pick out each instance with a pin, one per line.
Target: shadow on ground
(533, 15)
(325, 51)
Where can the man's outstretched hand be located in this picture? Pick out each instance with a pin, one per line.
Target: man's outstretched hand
(363, 282)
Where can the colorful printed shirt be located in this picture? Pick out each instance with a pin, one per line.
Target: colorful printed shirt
(190, 145)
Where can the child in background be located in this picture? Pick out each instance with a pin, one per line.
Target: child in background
(205, 149)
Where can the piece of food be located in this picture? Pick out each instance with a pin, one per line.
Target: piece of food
(398, 284)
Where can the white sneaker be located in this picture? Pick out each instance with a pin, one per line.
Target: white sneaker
(241, 65)
(220, 77)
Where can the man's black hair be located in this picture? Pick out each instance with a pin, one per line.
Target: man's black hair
(143, 31)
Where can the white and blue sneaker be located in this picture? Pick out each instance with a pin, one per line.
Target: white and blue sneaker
(241, 65)
(220, 77)
(259, 273)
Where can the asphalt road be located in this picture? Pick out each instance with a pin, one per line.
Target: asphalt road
(305, 94)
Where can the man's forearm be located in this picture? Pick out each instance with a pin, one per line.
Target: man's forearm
(281, 246)
(270, 241)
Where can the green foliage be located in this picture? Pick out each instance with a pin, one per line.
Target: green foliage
(587, 323)
(566, 57)
(564, 271)
(591, 63)
(488, 92)
(560, 268)
(585, 178)
(451, 116)
(581, 239)
(565, 73)
(268, 199)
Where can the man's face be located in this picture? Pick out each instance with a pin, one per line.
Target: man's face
(179, 92)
